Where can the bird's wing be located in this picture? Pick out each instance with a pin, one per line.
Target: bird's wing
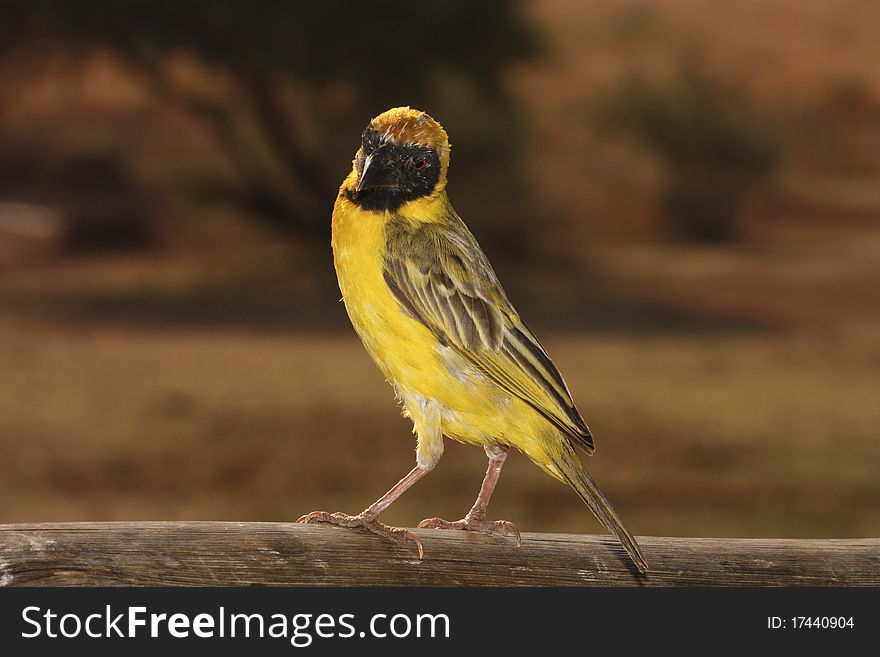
(439, 275)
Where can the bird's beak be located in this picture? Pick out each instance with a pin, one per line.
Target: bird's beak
(376, 173)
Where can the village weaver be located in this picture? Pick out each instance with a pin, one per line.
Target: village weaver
(430, 310)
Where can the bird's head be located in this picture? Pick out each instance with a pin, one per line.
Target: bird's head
(404, 156)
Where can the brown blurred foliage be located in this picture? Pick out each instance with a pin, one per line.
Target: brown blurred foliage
(714, 147)
(281, 90)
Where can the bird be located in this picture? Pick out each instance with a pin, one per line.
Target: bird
(430, 310)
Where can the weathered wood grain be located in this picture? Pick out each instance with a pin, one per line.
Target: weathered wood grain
(281, 554)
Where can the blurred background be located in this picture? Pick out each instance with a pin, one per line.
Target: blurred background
(681, 197)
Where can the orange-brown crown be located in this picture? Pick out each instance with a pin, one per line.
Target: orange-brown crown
(404, 125)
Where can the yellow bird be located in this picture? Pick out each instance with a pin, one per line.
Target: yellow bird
(430, 310)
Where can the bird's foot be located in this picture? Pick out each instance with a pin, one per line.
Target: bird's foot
(475, 524)
(369, 522)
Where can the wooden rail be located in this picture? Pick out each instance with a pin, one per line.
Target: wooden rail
(262, 553)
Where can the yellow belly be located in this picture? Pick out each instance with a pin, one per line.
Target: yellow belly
(473, 409)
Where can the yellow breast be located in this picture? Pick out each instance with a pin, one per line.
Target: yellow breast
(410, 356)
(402, 347)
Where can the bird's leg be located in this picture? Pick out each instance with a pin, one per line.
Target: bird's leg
(368, 518)
(475, 520)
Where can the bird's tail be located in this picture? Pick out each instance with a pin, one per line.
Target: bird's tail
(574, 473)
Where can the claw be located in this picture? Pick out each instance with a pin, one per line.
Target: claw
(403, 535)
(435, 523)
(314, 516)
(500, 527)
(339, 519)
(509, 529)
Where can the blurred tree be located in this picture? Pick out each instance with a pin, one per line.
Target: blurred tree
(715, 148)
(841, 135)
(286, 87)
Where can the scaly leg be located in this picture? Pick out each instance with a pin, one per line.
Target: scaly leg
(368, 518)
(429, 448)
(475, 520)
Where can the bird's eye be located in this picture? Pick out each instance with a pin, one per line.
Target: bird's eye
(418, 165)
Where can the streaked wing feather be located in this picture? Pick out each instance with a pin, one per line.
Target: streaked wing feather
(440, 276)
